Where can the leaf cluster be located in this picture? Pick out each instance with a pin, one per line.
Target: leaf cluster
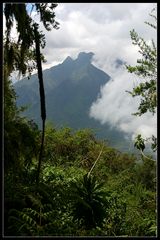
(20, 54)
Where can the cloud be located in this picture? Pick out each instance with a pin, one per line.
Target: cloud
(104, 28)
(115, 106)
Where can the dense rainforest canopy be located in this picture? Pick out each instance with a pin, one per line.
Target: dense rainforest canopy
(85, 187)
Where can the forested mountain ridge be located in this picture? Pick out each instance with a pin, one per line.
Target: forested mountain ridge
(70, 89)
(66, 182)
(66, 80)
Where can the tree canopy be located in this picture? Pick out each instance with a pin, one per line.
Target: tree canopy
(18, 54)
(86, 187)
(146, 69)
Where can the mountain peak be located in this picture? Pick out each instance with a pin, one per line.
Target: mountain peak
(85, 57)
(82, 59)
(68, 60)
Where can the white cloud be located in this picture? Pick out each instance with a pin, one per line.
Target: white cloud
(99, 27)
(116, 106)
(104, 28)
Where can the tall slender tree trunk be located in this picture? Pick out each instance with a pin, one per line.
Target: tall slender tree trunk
(42, 98)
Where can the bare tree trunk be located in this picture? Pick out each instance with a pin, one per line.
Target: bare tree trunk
(42, 98)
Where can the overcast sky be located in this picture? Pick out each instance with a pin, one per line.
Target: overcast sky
(104, 29)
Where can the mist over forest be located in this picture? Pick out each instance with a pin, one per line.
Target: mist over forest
(80, 119)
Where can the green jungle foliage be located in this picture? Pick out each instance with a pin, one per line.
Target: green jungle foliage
(115, 198)
(118, 198)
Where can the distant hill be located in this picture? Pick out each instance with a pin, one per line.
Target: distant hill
(70, 88)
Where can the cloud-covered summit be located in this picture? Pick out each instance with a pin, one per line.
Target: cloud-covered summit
(82, 58)
(85, 57)
(104, 28)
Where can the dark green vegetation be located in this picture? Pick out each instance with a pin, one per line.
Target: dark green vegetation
(24, 54)
(85, 187)
(70, 87)
(117, 198)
